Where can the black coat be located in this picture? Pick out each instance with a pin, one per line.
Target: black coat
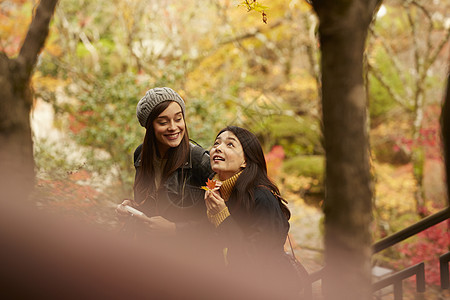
(257, 234)
(180, 199)
(255, 244)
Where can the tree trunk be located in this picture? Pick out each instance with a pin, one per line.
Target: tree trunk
(16, 145)
(343, 30)
(445, 128)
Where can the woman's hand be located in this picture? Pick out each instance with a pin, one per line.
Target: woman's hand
(214, 202)
(121, 211)
(158, 224)
(155, 224)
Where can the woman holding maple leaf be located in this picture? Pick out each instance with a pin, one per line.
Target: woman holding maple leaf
(169, 169)
(245, 206)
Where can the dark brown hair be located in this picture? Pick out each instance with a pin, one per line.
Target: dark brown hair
(255, 172)
(144, 184)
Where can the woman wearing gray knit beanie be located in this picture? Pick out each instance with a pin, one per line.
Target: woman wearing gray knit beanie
(169, 170)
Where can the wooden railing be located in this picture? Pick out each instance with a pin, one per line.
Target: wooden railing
(414, 229)
(397, 278)
(443, 266)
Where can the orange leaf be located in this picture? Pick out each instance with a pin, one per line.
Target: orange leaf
(210, 185)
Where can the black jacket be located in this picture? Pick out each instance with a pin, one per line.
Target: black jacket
(255, 243)
(255, 235)
(180, 199)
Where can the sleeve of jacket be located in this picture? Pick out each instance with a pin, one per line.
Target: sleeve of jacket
(137, 159)
(268, 226)
(137, 156)
(201, 171)
(201, 164)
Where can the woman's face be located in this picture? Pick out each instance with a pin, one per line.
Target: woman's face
(169, 128)
(227, 155)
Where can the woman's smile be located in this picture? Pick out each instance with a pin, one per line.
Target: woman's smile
(169, 128)
(172, 136)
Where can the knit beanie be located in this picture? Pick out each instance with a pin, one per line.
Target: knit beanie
(154, 97)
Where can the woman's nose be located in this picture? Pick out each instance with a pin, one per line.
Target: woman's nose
(172, 125)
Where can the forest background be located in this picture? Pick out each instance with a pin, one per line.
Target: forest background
(232, 68)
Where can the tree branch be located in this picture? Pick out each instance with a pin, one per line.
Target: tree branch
(36, 36)
(393, 57)
(311, 53)
(433, 56)
(251, 33)
(377, 74)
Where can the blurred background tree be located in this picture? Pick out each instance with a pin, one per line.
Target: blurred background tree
(19, 53)
(406, 55)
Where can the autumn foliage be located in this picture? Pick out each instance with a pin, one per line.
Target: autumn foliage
(426, 247)
(274, 161)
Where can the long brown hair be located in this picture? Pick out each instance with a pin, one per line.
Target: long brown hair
(144, 184)
(255, 172)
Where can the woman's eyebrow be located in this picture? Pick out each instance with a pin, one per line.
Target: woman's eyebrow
(167, 117)
(231, 138)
